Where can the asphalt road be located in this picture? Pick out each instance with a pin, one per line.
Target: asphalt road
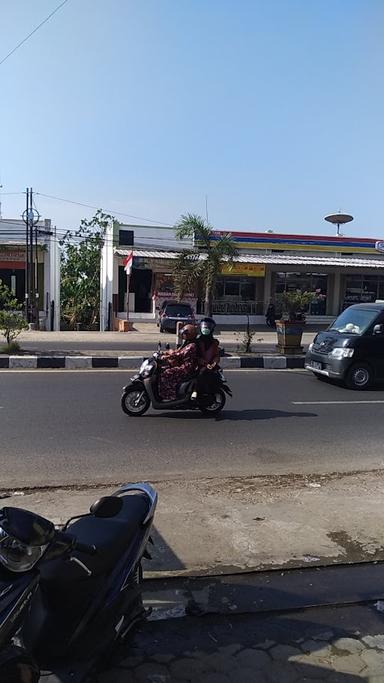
(63, 427)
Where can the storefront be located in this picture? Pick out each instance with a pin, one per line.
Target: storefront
(338, 271)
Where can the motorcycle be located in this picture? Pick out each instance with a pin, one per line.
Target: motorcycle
(142, 392)
(69, 596)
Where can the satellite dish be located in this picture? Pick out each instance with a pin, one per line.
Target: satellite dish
(338, 219)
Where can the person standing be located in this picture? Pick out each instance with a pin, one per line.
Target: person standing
(270, 316)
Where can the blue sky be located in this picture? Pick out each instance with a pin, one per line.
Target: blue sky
(272, 108)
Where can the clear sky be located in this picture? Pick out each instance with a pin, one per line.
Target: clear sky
(272, 108)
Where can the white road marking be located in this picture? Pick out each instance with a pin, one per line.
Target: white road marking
(329, 403)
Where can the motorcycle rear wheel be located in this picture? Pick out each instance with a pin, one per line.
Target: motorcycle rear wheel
(135, 402)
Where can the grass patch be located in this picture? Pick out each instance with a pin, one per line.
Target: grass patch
(11, 348)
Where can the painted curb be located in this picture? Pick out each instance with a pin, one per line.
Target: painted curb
(78, 362)
(134, 362)
(22, 362)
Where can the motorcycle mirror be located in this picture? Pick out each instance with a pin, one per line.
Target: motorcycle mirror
(108, 506)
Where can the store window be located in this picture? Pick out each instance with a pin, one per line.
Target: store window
(235, 295)
(360, 289)
(305, 282)
(235, 288)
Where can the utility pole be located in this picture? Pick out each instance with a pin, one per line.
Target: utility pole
(31, 218)
(27, 287)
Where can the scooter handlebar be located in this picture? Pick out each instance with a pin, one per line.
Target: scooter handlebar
(73, 544)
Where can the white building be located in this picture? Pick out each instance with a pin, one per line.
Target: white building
(47, 267)
(338, 270)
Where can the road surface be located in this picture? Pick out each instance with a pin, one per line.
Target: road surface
(63, 427)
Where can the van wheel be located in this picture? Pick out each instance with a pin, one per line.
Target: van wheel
(359, 376)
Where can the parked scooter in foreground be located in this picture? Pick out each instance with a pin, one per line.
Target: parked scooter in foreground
(142, 392)
(69, 596)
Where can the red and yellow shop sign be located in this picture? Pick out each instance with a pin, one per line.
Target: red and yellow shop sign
(250, 269)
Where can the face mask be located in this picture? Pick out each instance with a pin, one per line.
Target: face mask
(206, 331)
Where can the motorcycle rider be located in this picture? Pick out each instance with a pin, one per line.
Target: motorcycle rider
(181, 363)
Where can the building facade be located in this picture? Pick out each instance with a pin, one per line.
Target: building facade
(47, 267)
(339, 271)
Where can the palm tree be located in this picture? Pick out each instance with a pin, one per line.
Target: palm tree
(197, 269)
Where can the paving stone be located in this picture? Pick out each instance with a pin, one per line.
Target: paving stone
(283, 652)
(131, 662)
(351, 645)
(374, 661)
(152, 673)
(214, 678)
(266, 645)
(310, 646)
(116, 676)
(310, 671)
(255, 659)
(230, 650)
(163, 659)
(187, 668)
(219, 662)
(281, 673)
(374, 641)
(324, 635)
(312, 659)
(350, 664)
(245, 674)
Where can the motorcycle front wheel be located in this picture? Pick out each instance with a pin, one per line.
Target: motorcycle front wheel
(217, 404)
(135, 401)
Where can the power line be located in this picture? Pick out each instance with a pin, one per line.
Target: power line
(32, 32)
(117, 213)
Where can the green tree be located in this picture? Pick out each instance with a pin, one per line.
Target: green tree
(197, 269)
(80, 271)
(12, 321)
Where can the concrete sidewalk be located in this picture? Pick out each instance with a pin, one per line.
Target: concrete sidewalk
(111, 343)
(218, 525)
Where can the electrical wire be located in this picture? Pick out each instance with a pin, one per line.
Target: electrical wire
(32, 32)
(117, 213)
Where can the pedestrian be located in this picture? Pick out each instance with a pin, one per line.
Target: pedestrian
(270, 316)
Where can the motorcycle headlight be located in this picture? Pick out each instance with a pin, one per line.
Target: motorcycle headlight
(341, 352)
(146, 368)
(17, 556)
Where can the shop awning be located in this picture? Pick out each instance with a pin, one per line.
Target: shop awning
(276, 259)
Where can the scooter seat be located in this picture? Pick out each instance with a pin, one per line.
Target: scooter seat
(112, 537)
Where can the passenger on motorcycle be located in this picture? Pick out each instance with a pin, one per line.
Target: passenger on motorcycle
(208, 355)
(180, 363)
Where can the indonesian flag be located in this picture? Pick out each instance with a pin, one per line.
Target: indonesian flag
(128, 263)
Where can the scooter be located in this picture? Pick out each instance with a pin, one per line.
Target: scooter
(142, 392)
(70, 596)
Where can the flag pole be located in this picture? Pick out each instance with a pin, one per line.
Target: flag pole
(128, 269)
(128, 282)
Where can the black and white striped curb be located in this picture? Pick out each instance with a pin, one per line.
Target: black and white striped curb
(132, 362)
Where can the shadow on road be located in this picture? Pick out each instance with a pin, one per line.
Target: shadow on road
(232, 415)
